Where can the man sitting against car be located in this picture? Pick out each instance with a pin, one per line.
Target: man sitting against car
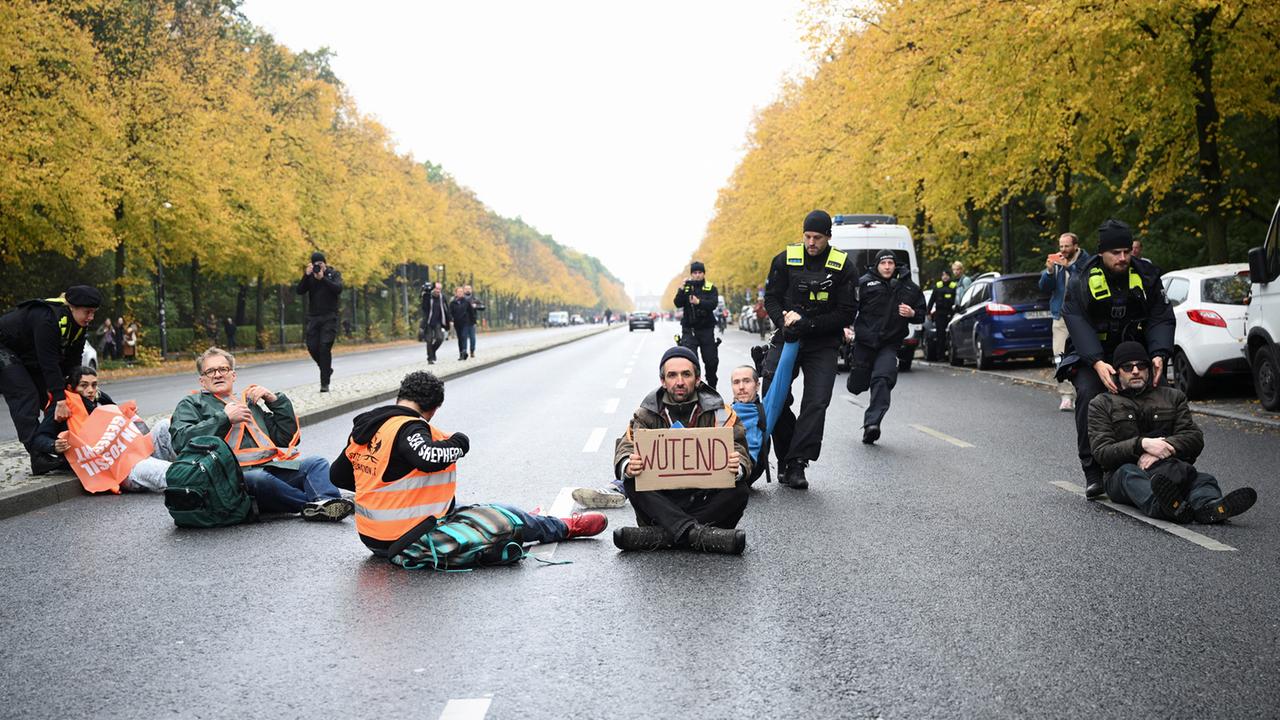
(262, 429)
(1146, 442)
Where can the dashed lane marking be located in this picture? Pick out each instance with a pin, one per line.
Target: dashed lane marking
(1203, 541)
(942, 436)
(611, 406)
(561, 508)
(594, 440)
(466, 709)
(622, 383)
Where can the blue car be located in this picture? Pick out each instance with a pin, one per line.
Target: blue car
(1001, 317)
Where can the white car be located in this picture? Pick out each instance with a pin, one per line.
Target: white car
(1209, 305)
(1263, 318)
(89, 358)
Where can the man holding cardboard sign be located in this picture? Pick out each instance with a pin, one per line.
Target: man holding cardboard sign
(684, 464)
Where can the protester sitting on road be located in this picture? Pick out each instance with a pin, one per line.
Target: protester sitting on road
(262, 430)
(51, 437)
(403, 471)
(698, 519)
(745, 382)
(1144, 438)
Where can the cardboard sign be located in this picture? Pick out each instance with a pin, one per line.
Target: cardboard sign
(107, 447)
(683, 458)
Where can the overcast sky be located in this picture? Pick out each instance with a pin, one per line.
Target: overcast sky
(610, 127)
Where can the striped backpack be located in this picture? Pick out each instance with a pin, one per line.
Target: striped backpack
(470, 537)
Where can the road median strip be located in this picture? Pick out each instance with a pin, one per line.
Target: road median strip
(1203, 541)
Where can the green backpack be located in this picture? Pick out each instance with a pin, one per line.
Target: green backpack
(206, 487)
(470, 537)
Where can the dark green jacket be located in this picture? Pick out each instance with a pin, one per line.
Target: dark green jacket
(204, 414)
(1117, 424)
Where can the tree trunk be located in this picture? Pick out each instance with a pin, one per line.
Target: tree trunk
(364, 300)
(257, 313)
(120, 258)
(197, 317)
(1063, 204)
(972, 220)
(1208, 127)
(242, 295)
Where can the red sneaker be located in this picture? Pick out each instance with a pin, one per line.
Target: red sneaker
(585, 524)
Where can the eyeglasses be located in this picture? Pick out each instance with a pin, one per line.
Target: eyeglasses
(1134, 366)
(216, 371)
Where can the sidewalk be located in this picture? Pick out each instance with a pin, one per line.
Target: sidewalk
(21, 492)
(1240, 409)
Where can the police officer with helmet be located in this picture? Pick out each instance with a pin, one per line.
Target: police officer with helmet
(1110, 301)
(699, 298)
(41, 342)
(809, 298)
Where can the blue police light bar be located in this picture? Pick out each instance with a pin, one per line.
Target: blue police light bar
(865, 220)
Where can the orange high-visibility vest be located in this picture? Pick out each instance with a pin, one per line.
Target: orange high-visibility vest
(388, 510)
(261, 450)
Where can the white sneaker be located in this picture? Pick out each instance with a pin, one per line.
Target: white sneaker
(1067, 404)
(606, 497)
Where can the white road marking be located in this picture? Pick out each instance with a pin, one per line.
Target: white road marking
(622, 382)
(627, 370)
(561, 508)
(942, 436)
(466, 709)
(593, 442)
(611, 406)
(1203, 541)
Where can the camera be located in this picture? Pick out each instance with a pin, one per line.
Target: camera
(315, 267)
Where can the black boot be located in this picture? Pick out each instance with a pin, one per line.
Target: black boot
(794, 477)
(1168, 496)
(705, 538)
(870, 434)
(42, 463)
(1235, 502)
(651, 537)
(1093, 486)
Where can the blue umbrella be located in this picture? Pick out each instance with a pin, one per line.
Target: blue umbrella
(780, 386)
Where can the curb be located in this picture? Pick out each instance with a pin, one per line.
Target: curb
(25, 499)
(1196, 406)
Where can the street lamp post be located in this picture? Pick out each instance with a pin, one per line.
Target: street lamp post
(440, 274)
(160, 309)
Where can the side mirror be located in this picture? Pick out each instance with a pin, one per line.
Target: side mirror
(1258, 265)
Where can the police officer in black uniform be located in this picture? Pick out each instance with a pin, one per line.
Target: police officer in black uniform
(698, 328)
(41, 342)
(1110, 301)
(942, 305)
(322, 285)
(809, 298)
(886, 304)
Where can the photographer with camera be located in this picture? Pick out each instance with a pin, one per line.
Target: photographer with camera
(322, 285)
(1060, 270)
(699, 298)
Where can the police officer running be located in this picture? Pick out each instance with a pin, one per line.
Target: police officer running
(322, 285)
(41, 342)
(698, 328)
(1110, 301)
(942, 304)
(886, 304)
(809, 298)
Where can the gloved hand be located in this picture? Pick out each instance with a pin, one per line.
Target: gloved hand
(794, 331)
(463, 442)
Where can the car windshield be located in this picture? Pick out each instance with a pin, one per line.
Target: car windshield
(1226, 290)
(1019, 291)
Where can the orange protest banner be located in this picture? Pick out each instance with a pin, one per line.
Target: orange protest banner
(107, 446)
(679, 458)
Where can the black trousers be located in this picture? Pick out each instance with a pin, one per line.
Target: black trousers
(800, 438)
(704, 338)
(882, 365)
(322, 331)
(24, 392)
(677, 510)
(1088, 386)
(435, 338)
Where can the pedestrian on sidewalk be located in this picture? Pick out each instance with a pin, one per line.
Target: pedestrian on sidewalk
(1060, 270)
(435, 318)
(962, 281)
(107, 340)
(698, 519)
(403, 471)
(1147, 443)
(477, 307)
(261, 427)
(130, 345)
(463, 314)
(322, 285)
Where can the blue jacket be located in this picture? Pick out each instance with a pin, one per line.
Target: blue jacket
(1057, 281)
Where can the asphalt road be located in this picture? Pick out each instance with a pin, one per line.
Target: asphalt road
(159, 394)
(916, 578)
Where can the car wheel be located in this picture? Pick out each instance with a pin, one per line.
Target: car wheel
(952, 356)
(904, 364)
(981, 358)
(1185, 377)
(1266, 377)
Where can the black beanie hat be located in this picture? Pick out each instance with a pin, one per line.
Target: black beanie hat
(818, 221)
(1129, 351)
(680, 351)
(886, 254)
(697, 266)
(1114, 235)
(83, 296)
(317, 256)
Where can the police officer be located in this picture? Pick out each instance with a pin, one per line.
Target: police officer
(942, 304)
(698, 328)
(886, 304)
(809, 298)
(41, 342)
(322, 285)
(1110, 301)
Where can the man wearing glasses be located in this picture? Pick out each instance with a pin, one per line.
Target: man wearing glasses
(1145, 440)
(262, 430)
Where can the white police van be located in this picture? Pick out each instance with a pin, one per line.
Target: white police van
(863, 237)
(1262, 316)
